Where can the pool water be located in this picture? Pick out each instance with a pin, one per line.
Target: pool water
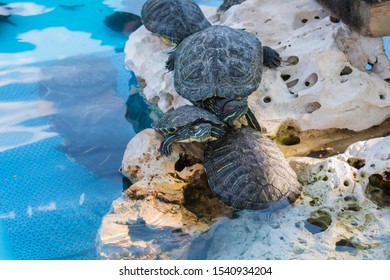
(65, 119)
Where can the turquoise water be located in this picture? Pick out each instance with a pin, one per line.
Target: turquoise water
(65, 119)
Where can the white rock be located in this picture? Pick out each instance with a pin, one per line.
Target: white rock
(153, 218)
(314, 51)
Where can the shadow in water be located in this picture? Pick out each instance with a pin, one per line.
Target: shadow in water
(90, 115)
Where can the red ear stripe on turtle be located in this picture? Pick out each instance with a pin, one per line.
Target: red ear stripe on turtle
(227, 108)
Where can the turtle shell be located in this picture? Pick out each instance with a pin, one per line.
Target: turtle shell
(246, 170)
(173, 19)
(218, 61)
(185, 115)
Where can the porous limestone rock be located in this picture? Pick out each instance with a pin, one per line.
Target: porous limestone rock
(170, 213)
(322, 82)
(168, 205)
(335, 219)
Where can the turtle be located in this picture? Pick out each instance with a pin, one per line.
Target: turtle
(188, 124)
(220, 62)
(173, 20)
(5, 13)
(246, 170)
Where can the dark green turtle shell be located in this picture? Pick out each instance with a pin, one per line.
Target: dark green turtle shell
(246, 170)
(173, 19)
(183, 116)
(218, 62)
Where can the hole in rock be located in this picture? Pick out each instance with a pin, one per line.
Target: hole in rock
(350, 198)
(317, 17)
(285, 77)
(353, 207)
(334, 19)
(185, 161)
(345, 245)
(346, 183)
(289, 133)
(311, 80)
(312, 106)
(378, 189)
(304, 20)
(292, 83)
(381, 97)
(267, 99)
(346, 71)
(356, 162)
(293, 60)
(322, 153)
(318, 221)
(387, 80)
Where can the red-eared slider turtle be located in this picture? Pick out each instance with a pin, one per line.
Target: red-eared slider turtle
(173, 20)
(220, 62)
(246, 170)
(188, 124)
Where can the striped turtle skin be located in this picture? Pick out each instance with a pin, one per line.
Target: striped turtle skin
(246, 170)
(188, 124)
(173, 19)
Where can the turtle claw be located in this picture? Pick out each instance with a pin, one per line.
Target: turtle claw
(271, 58)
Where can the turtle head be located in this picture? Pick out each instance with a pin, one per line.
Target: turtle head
(233, 110)
(200, 132)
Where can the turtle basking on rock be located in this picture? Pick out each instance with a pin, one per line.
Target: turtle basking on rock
(220, 62)
(246, 170)
(188, 124)
(173, 20)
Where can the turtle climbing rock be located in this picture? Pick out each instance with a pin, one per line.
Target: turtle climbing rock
(188, 124)
(220, 62)
(246, 170)
(173, 20)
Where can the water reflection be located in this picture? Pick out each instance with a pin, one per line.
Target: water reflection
(123, 22)
(63, 43)
(17, 127)
(90, 117)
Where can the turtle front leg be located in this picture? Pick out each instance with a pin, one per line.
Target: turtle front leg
(271, 58)
(252, 121)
